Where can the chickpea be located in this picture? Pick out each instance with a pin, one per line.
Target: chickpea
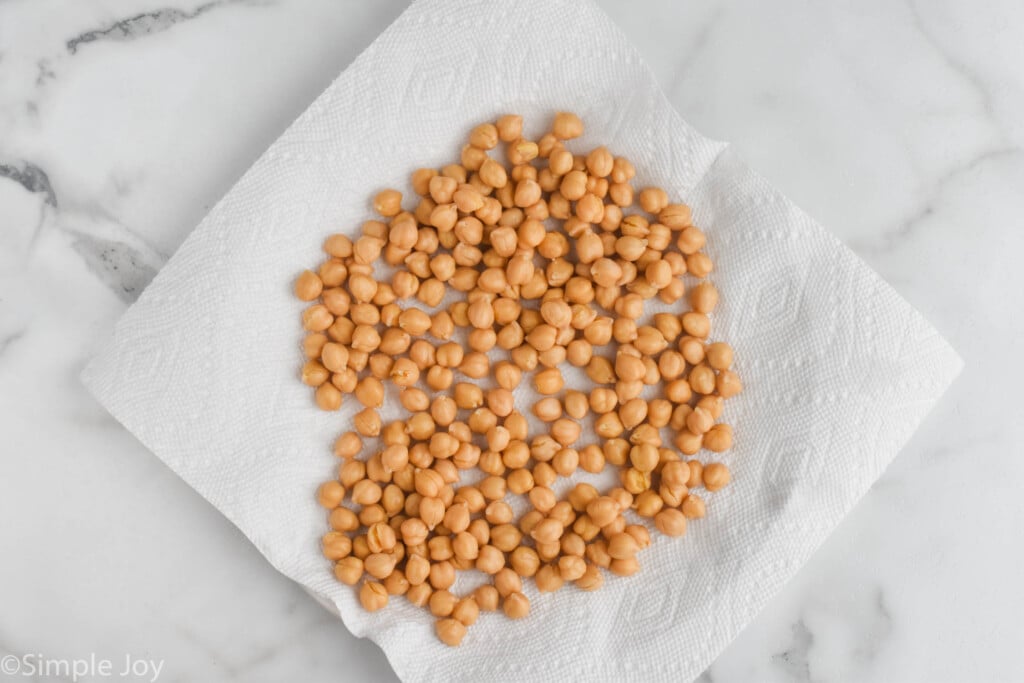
(373, 596)
(704, 297)
(653, 199)
(670, 522)
(516, 606)
(450, 631)
(308, 286)
(591, 580)
(549, 579)
(693, 506)
(716, 476)
(442, 603)
(718, 438)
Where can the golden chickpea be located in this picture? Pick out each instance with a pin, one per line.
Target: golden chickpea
(486, 597)
(653, 199)
(493, 487)
(509, 127)
(373, 596)
(380, 565)
(499, 401)
(466, 611)
(648, 503)
(718, 438)
(336, 545)
(507, 581)
(525, 561)
(693, 506)
(699, 265)
(388, 202)
(328, 397)
(520, 481)
(624, 567)
(699, 421)
(571, 567)
(308, 286)
(591, 579)
(314, 374)
(475, 365)
(419, 595)
(670, 522)
(547, 531)
(490, 560)
(442, 575)
(442, 603)
(338, 246)
(728, 384)
(516, 606)
(704, 297)
(349, 570)
(450, 631)
(702, 379)
(380, 538)
(590, 208)
(641, 534)
(567, 126)
(716, 476)
(602, 510)
(566, 431)
(417, 569)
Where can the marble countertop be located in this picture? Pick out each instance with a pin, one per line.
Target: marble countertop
(900, 126)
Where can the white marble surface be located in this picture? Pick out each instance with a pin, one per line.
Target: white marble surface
(900, 126)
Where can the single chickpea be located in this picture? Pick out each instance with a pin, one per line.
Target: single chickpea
(718, 438)
(419, 595)
(648, 503)
(602, 510)
(548, 579)
(653, 199)
(571, 567)
(591, 459)
(442, 602)
(349, 570)
(336, 545)
(670, 522)
(330, 494)
(373, 596)
(520, 481)
(308, 286)
(509, 127)
(693, 506)
(702, 379)
(338, 246)
(566, 431)
(466, 611)
(516, 606)
(487, 597)
(548, 381)
(591, 580)
(490, 560)
(716, 476)
(328, 397)
(317, 318)
(624, 567)
(567, 126)
(699, 421)
(450, 631)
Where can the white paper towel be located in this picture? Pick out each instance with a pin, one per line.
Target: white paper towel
(838, 370)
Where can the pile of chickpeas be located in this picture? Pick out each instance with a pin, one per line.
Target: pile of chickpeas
(554, 266)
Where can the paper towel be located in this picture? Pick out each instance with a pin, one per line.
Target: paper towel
(838, 370)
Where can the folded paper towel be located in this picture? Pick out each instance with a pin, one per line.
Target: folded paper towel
(838, 369)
